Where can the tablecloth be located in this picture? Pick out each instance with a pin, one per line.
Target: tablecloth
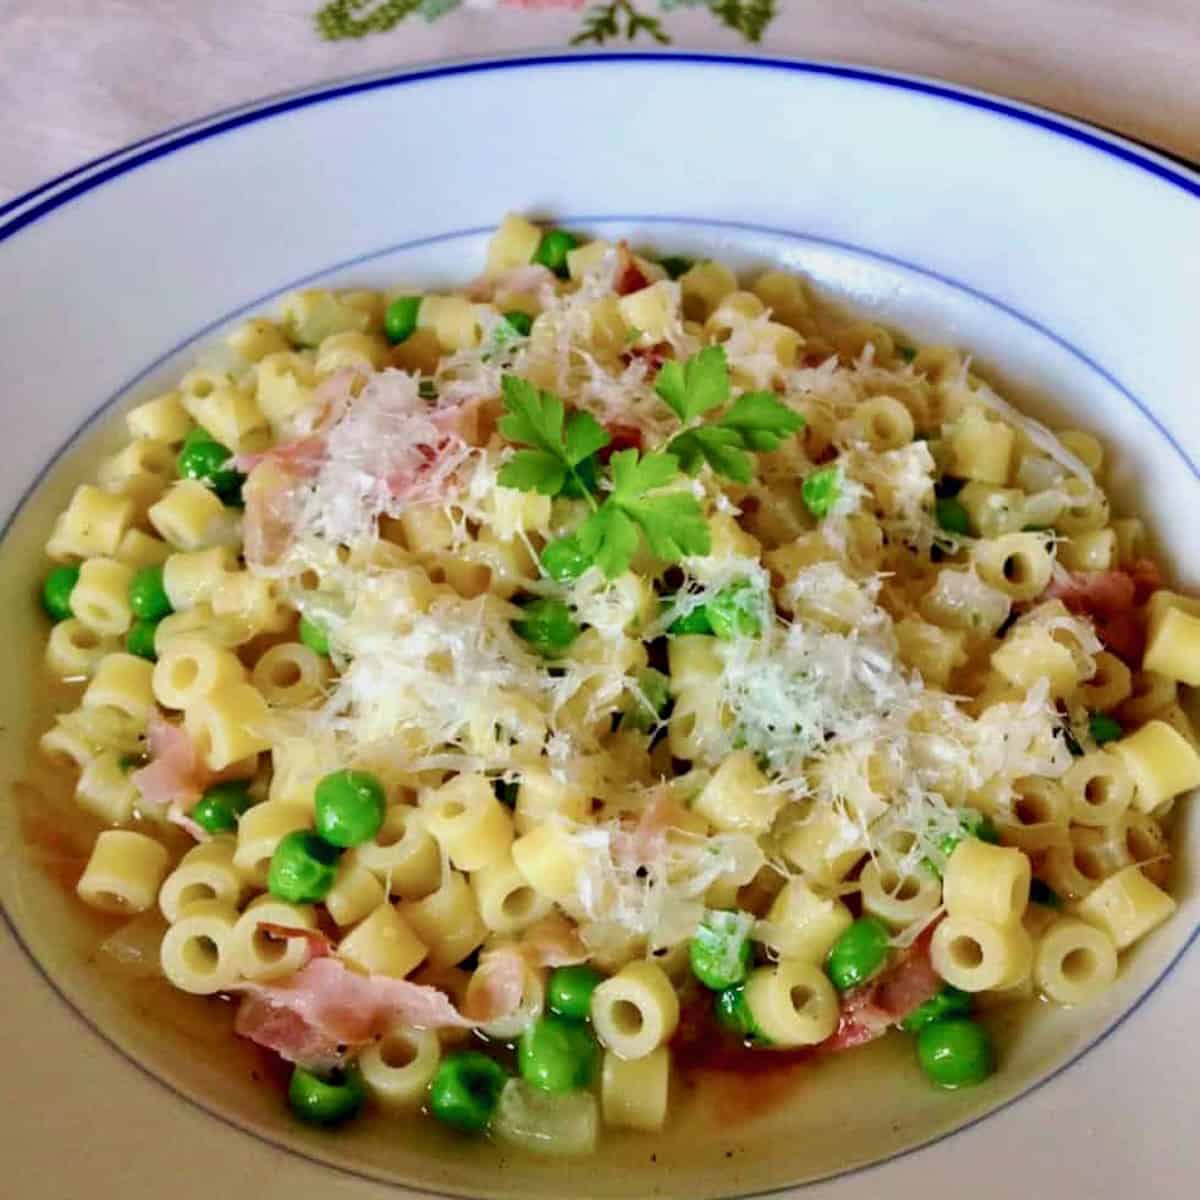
(81, 77)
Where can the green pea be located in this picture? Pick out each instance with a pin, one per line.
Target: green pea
(349, 808)
(466, 1089)
(56, 591)
(564, 559)
(202, 457)
(676, 265)
(520, 321)
(952, 516)
(694, 622)
(557, 1054)
(908, 353)
(325, 1101)
(859, 952)
(720, 951)
(218, 810)
(949, 1002)
(974, 824)
(1040, 892)
(1104, 728)
(147, 596)
(427, 389)
(643, 710)
(547, 626)
(314, 636)
(569, 992)
(955, 1053)
(820, 490)
(140, 639)
(400, 319)
(733, 612)
(734, 1016)
(553, 249)
(971, 824)
(302, 868)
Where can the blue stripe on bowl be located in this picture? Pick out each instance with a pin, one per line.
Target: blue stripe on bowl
(186, 135)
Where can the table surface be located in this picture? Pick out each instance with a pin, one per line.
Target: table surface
(81, 77)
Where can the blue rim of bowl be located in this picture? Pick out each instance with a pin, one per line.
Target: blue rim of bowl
(93, 174)
(213, 126)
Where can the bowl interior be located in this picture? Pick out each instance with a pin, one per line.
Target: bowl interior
(731, 1135)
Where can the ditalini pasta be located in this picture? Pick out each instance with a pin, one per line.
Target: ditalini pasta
(610, 664)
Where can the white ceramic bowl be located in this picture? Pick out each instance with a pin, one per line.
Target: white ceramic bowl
(1064, 258)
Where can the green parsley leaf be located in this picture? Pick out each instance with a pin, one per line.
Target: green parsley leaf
(672, 522)
(694, 387)
(557, 444)
(720, 448)
(533, 418)
(534, 471)
(755, 421)
(608, 538)
(762, 420)
(585, 435)
(634, 475)
(674, 525)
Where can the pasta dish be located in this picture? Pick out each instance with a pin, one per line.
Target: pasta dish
(501, 694)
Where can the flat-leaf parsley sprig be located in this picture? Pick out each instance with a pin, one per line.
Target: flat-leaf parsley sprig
(559, 458)
(754, 421)
(559, 448)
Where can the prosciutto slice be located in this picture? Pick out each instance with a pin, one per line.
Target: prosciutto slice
(176, 775)
(325, 1011)
(870, 1011)
(552, 942)
(646, 843)
(1112, 600)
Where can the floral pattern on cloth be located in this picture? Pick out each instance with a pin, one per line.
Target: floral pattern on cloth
(599, 23)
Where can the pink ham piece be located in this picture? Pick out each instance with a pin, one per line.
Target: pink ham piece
(870, 1011)
(497, 987)
(301, 457)
(326, 1010)
(176, 775)
(271, 513)
(552, 942)
(497, 984)
(1112, 600)
(285, 1031)
(646, 843)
